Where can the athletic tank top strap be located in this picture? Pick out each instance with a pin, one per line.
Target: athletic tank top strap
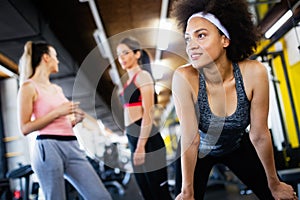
(132, 79)
(34, 84)
(241, 92)
(131, 95)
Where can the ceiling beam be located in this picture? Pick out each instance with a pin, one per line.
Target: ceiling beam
(8, 63)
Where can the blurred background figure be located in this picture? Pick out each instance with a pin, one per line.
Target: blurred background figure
(145, 141)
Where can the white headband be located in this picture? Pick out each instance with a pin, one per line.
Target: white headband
(210, 17)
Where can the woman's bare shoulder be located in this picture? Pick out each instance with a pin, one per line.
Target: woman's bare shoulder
(187, 71)
(254, 75)
(143, 74)
(143, 77)
(187, 68)
(252, 67)
(27, 86)
(28, 90)
(185, 80)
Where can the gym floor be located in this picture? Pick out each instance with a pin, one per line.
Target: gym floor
(215, 192)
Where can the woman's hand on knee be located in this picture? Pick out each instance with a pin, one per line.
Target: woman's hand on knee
(181, 196)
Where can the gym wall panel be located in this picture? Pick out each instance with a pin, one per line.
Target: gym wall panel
(287, 109)
(292, 44)
(293, 54)
(294, 74)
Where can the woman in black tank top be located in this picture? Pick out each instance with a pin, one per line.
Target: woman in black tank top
(217, 96)
(146, 144)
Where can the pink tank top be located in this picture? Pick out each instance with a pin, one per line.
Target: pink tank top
(47, 102)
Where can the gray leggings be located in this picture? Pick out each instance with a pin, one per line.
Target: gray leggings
(56, 160)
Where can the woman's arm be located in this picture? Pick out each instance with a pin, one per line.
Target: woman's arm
(185, 109)
(26, 96)
(146, 85)
(259, 131)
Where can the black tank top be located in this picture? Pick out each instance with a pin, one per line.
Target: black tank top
(131, 94)
(221, 135)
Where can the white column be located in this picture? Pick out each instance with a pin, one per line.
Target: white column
(17, 150)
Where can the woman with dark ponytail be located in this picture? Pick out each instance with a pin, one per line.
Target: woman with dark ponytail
(44, 108)
(146, 144)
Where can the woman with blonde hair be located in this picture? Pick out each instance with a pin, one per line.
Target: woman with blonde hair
(43, 108)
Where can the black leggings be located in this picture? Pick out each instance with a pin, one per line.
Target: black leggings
(151, 177)
(243, 162)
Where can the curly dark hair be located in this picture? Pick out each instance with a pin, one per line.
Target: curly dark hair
(233, 15)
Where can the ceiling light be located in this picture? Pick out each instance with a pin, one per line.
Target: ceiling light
(114, 76)
(163, 34)
(162, 40)
(101, 41)
(278, 24)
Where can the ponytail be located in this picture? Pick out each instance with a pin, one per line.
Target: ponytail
(25, 66)
(31, 58)
(144, 61)
(146, 65)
